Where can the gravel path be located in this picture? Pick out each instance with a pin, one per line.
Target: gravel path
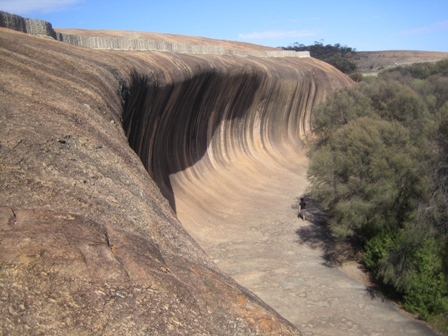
(258, 239)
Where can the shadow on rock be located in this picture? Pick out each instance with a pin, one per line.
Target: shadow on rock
(375, 293)
(316, 234)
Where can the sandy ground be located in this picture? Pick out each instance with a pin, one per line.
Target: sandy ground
(259, 241)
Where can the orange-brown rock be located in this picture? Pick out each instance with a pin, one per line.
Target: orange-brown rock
(89, 241)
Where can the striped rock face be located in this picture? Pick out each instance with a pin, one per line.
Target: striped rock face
(99, 152)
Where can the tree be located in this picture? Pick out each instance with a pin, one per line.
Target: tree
(379, 167)
(366, 178)
(337, 55)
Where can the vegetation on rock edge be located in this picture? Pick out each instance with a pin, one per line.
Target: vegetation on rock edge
(339, 56)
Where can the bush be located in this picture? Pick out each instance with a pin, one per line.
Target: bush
(356, 76)
(379, 167)
(414, 266)
(377, 250)
(426, 290)
(365, 177)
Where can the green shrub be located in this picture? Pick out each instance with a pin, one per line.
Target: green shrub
(366, 177)
(376, 250)
(426, 291)
(356, 76)
(414, 266)
(379, 167)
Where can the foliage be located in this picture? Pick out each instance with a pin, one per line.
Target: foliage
(337, 55)
(414, 265)
(356, 76)
(379, 166)
(426, 286)
(346, 105)
(366, 177)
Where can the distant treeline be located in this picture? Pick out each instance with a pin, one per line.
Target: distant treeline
(379, 167)
(337, 55)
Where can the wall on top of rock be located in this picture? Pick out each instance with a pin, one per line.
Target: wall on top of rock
(116, 43)
(25, 25)
(40, 27)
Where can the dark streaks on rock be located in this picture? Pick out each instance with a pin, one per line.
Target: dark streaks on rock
(171, 127)
(96, 248)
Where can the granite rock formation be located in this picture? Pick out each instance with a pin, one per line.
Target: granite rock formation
(94, 147)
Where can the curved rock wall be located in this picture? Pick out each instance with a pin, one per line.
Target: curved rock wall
(218, 110)
(88, 243)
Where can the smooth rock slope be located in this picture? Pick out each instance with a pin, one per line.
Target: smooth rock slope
(96, 150)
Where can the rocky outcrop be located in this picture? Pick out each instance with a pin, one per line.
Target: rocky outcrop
(89, 241)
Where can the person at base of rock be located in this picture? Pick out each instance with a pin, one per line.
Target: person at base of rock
(302, 209)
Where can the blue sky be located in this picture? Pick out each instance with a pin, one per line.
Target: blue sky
(361, 24)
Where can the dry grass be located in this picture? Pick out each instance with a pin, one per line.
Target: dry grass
(374, 61)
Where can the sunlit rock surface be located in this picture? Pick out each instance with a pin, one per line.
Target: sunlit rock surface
(89, 238)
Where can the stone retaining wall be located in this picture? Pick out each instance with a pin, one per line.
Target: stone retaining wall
(29, 26)
(40, 27)
(115, 43)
